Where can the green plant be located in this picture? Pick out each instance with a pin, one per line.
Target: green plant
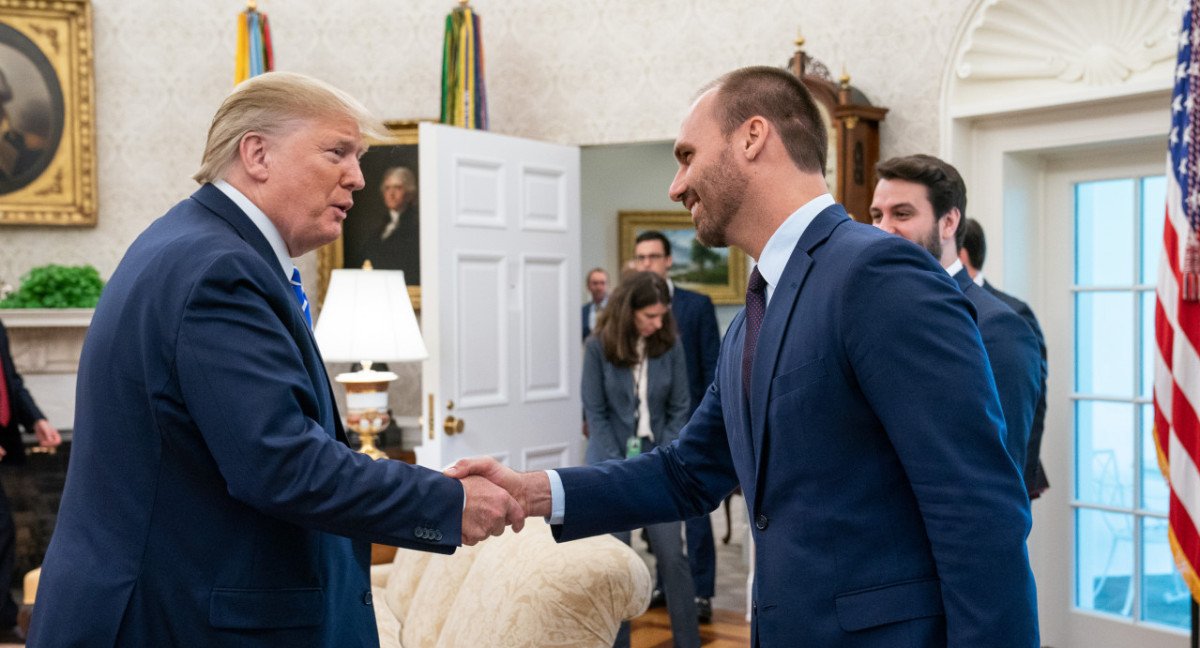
(55, 286)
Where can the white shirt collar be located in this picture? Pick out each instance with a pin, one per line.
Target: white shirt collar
(263, 224)
(778, 250)
(978, 279)
(954, 267)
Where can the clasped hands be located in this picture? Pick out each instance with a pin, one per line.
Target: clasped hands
(498, 496)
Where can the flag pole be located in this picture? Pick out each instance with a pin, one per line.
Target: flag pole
(1195, 623)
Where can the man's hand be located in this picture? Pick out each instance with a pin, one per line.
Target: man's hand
(531, 489)
(488, 510)
(47, 435)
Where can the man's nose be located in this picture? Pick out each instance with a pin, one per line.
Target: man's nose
(678, 187)
(354, 176)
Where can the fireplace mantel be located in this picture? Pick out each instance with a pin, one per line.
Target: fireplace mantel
(46, 317)
(45, 345)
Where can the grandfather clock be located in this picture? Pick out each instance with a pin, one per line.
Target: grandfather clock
(853, 127)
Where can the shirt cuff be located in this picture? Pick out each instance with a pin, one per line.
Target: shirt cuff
(558, 503)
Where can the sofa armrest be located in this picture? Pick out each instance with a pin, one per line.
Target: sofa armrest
(536, 592)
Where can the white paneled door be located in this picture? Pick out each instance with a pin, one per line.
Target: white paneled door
(500, 310)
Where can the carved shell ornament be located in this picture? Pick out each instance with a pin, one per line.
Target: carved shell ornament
(1093, 42)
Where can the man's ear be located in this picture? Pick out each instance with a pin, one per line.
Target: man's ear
(948, 224)
(754, 136)
(252, 150)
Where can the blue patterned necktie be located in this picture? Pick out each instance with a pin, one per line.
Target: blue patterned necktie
(298, 288)
(756, 307)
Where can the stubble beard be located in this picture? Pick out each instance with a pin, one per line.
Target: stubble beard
(725, 190)
(932, 242)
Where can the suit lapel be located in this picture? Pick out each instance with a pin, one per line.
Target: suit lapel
(779, 316)
(218, 203)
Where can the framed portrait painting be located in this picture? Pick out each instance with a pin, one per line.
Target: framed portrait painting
(719, 273)
(383, 226)
(47, 113)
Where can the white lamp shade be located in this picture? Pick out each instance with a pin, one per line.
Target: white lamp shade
(367, 316)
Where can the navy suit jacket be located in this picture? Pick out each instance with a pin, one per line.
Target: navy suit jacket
(610, 402)
(696, 320)
(23, 410)
(886, 512)
(585, 315)
(210, 499)
(1012, 351)
(1035, 474)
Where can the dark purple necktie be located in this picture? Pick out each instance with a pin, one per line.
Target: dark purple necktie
(756, 307)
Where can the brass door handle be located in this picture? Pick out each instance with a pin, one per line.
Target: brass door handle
(453, 425)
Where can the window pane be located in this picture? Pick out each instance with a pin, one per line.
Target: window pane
(1104, 567)
(1154, 210)
(1104, 213)
(1155, 496)
(1164, 595)
(1147, 346)
(1104, 453)
(1104, 344)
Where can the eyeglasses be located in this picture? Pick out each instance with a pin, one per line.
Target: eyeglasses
(641, 258)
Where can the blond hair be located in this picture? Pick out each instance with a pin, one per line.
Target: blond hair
(266, 104)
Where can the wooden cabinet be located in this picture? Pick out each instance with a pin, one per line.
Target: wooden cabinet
(853, 127)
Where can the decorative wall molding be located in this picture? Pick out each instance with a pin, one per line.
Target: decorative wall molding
(1030, 53)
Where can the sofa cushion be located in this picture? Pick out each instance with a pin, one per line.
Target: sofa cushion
(526, 590)
(431, 601)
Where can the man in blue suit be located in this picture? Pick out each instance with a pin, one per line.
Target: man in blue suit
(211, 499)
(855, 408)
(924, 199)
(597, 287)
(972, 255)
(698, 333)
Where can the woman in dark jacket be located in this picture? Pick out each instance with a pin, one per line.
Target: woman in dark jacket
(635, 398)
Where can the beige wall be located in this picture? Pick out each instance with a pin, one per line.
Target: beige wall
(583, 72)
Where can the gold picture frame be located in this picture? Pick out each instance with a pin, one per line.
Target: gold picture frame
(47, 97)
(366, 218)
(724, 281)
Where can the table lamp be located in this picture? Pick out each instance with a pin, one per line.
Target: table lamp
(367, 318)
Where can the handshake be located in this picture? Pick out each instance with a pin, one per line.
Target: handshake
(498, 496)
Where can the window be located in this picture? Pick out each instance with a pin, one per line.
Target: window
(1123, 562)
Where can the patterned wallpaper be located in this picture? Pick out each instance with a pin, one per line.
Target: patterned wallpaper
(581, 72)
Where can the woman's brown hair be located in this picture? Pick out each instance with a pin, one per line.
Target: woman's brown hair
(616, 328)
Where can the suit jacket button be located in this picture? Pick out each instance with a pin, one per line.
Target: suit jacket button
(367, 598)
(762, 522)
(437, 536)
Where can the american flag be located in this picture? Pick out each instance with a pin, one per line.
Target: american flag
(1177, 311)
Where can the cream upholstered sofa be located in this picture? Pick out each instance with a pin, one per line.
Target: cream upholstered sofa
(516, 590)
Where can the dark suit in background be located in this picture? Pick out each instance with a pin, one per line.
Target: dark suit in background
(1035, 475)
(23, 414)
(586, 314)
(1013, 354)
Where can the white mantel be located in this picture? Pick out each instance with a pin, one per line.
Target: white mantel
(45, 345)
(46, 317)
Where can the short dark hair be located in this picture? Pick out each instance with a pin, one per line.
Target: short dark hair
(974, 242)
(655, 235)
(942, 182)
(616, 328)
(780, 98)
